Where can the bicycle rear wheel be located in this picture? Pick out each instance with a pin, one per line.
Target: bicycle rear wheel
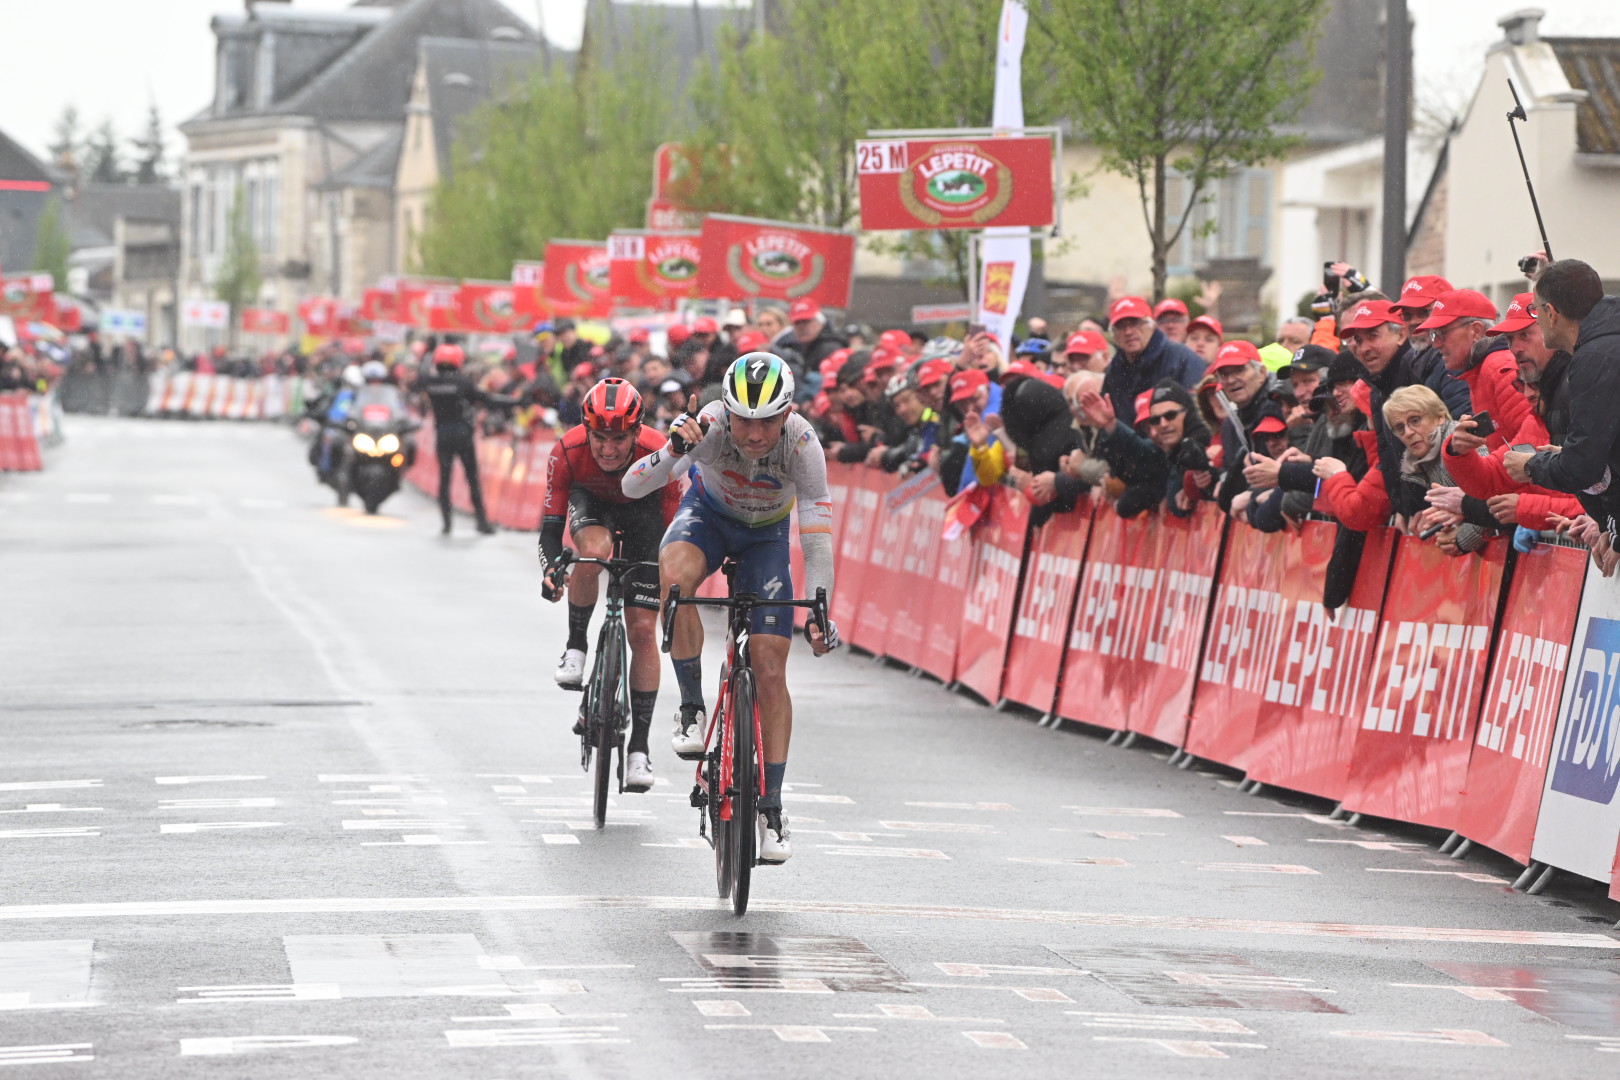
(604, 719)
(745, 778)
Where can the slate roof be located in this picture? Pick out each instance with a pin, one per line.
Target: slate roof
(376, 168)
(463, 74)
(1593, 65)
(17, 163)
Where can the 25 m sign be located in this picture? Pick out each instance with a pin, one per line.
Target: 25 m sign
(955, 183)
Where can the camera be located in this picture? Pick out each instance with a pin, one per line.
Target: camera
(1531, 265)
(1321, 401)
(1353, 280)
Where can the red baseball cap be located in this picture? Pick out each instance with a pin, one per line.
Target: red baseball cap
(1020, 369)
(584, 370)
(1371, 314)
(638, 336)
(964, 384)
(1270, 425)
(803, 308)
(679, 333)
(1458, 304)
(1422, 291)
(1144, 405)
(1086, 341)
(1129, 307)
(930, 372)
(896, 341)
(705, 325)
(1235, 354)
(1518, 316)
(1211, 324)
(1169, 306)
(749, 341)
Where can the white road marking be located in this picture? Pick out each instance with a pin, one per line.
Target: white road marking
(962, 805)
(128, 909)
(368, 778)
(1140, 1022)
(214, 995)
(88, 498)
(414, 800)
(53, 808)
(175, 500)
(1120, 811)
(217, 826)
(699, 984)
(712, 1007)
(984, 971)
(884, 852)
(935, 826)
(799, 1033)
(1606, 1044)
(47, 785)
(1028, 993)
(1183, 1047)
(394, 825)
(215, 804)
(45, 1055)
(420, 840)
(994, 1040)
(1435, 1036)
(261, 504)
(684, 842)
(1374, 845)
(1476, 993)
(405, 965)
(1078, 861)
(202, 779)
(1245, 841)
(514, 963)
(45, 974)
(559, 1036)
(797, 797)
(36, 834)
(1253, 868)
(226, 1045)
(1486, 879)
(914, 1012)
(559, 838)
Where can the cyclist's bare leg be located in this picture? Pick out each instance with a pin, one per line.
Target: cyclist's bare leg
(641, 627)
(684, 565)
(769, 654)
(584, 582)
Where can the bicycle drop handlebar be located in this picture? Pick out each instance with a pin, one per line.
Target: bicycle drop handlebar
(617, 568)
(745, 602)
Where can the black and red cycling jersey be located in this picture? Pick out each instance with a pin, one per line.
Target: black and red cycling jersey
(571, 468)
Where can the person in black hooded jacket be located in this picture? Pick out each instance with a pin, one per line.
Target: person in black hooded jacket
(1169, 443)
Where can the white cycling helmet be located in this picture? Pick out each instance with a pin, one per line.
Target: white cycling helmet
(374, 371)
(757, 385)
(352, 376)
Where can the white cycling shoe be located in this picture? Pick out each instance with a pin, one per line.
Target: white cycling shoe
(638, 774)
(571, 670)
(687, 741)
(775, 844)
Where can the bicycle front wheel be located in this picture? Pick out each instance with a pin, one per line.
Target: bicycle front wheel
(745, 777)
(604, 719)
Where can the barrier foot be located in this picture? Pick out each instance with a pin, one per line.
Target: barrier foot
(1462, 849)
(1543, 881)
(1353, 819)
(1530, 872)
(1450, 842)
(1128, 741)
(1003, 704)
(952, 686)
(1257, 789)
(1045, 720)
(1057, 722)
(1337, 813)
(1188, 762)
(914, 671)
(1175, 758)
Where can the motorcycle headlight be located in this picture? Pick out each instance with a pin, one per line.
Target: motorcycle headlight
(388, 444)
(365, 444)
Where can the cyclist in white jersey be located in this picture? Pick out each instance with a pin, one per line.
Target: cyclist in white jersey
(753, 459)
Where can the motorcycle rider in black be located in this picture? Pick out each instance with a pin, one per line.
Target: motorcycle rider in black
(453, 398)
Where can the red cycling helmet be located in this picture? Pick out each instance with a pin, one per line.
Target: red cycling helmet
(612, 405)
(450, 355)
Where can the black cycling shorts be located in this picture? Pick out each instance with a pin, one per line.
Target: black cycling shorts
(641, 523)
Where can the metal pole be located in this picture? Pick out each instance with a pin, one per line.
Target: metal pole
(1397, 98)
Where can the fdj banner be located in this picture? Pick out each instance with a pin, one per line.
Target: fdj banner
(955, 183)
(747, 257)
(1580, 807)
(1410, 760)
(576, 279)
(651, 269)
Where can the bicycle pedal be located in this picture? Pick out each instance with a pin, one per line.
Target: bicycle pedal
(699, 798)
(577, 687)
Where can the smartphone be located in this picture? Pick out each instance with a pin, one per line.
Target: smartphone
(1483, 424)
(1522, 448)
(974, 328)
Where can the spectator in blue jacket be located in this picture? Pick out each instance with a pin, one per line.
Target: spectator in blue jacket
(1143, 356)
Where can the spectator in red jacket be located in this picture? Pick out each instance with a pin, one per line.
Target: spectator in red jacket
(1459, 326)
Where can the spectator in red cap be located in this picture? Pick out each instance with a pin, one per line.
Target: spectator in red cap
(1252, 390)
(812, 337)
(975, 401)
(1418, 297)
(1459, 326)
(1170, 315)
(1086, 350)
(1144, 355)
(1425, 364)
(1204, 337)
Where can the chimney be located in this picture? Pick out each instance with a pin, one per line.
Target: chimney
(1522, 27)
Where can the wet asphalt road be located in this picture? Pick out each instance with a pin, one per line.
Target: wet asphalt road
(288, 791)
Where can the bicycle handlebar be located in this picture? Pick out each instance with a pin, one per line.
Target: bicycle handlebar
(746, 601)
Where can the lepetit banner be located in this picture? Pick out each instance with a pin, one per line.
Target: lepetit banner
(743, 258)
(576, 280)
(28, 296)
(955, 183)
(653, 269)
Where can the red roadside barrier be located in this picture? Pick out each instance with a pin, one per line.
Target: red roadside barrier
(1307, 718)
(19, 443)
(860, 510)
(1046, 610)
(1508, 768)
(992, 594)
(1138, 626)
(1410, 759)
(882, 588)
(921, 510)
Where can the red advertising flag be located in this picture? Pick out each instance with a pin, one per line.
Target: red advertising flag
(747, 257)
(651, 270)
(1045, 609)
(1410, 760)
(492, 307)
(992, 597)
(265, 321)
(28, 297)
(576, 280)
(1313, 701)
(955, 183)
(1509, 766)
(380, 305)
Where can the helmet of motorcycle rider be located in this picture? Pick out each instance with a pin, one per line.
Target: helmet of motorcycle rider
(612, 405)
(757, 385)
(352, 376)
(374, 371)
(449, 356)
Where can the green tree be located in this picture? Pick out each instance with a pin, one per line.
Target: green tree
(566, 155)
(1180, 88)
(64, 147)
(103, 161)
(52, 245)
(238, 279)
(150, 150)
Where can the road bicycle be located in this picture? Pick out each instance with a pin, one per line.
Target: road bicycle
(604, 713)
(730, 776)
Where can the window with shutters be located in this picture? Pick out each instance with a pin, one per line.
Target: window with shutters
(1231, 221)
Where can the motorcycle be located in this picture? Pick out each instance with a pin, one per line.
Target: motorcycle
(376, 450)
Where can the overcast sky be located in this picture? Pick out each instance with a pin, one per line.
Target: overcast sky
(111, 57)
